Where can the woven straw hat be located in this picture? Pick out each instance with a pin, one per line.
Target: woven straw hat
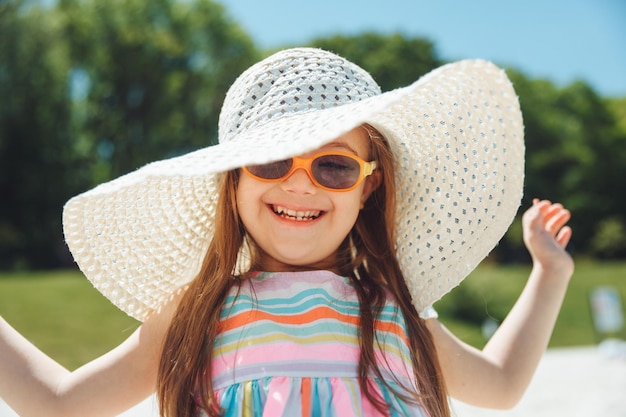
(456, 133)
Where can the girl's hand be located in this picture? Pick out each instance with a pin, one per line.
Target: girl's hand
(546, 236)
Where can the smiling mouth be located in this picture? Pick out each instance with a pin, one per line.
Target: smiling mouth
(297, 215)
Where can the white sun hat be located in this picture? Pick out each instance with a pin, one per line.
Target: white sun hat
(456, 135)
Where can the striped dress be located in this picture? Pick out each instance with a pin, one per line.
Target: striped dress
(288, 347)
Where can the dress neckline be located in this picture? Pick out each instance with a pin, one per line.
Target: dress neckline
(313, 275)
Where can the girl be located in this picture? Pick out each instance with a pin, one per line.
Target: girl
(290, 269)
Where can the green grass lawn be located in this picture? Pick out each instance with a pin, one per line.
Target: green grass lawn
(63, 315)
(492, 291)
(69, 320)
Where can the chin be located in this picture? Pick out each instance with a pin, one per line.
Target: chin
(301, 263)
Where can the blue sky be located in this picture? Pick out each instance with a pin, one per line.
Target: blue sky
(560, 40)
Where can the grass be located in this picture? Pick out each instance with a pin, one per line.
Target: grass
(63, 315)
(492, 290)
(67, 318)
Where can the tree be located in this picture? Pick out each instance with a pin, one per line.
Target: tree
(91, 90)
(393, 60)
(574, 154)
(157, 73)
(37, 171)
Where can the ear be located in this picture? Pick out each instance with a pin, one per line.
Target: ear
(371, 183)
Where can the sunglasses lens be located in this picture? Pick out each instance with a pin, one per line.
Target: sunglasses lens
(336, 171)
(271, 171)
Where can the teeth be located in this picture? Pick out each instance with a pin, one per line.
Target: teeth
(296, 214)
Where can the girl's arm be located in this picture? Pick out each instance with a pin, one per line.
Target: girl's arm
(35, 385)
(497, 376)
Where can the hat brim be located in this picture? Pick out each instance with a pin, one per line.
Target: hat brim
(457, 136)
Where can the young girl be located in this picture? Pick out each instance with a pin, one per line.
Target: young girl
(290, 270)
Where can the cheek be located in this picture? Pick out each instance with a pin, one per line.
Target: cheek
(350, 209)
(246, 198)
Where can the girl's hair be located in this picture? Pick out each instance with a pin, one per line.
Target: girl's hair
(366, 256)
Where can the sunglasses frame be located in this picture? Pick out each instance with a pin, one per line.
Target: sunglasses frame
(365, 169)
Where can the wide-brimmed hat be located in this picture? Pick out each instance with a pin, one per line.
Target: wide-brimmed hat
(456, 135)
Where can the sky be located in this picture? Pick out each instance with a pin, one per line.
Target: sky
(559, 40)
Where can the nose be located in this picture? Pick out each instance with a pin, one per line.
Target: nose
(299, 182)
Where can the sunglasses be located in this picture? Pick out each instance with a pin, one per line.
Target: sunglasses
(329, 170)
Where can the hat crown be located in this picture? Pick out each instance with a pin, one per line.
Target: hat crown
(289, 83)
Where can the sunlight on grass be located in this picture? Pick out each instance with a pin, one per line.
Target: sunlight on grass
(63, 315)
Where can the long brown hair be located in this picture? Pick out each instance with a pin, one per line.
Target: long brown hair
(366, 256)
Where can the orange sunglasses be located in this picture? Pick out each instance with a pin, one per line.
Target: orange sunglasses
(329, 170)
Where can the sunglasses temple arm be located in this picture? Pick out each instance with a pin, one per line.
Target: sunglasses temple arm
(369, 168)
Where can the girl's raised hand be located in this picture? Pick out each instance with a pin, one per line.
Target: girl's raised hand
(546, 236)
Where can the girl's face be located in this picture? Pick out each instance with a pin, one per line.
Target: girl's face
(297, 224)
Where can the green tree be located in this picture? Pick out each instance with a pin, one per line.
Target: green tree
(91, 90)
(574, 153)
(37, 165)
(617, 106)
(156, 72)
(393, 60)
(609, 240)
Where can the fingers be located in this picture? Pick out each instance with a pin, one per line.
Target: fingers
(564, 236)
(556, 217)
(553, 218)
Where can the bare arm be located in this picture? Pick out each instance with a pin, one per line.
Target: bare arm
(34, 385)
(498, 376)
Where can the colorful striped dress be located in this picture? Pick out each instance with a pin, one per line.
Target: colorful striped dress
(288, 347)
